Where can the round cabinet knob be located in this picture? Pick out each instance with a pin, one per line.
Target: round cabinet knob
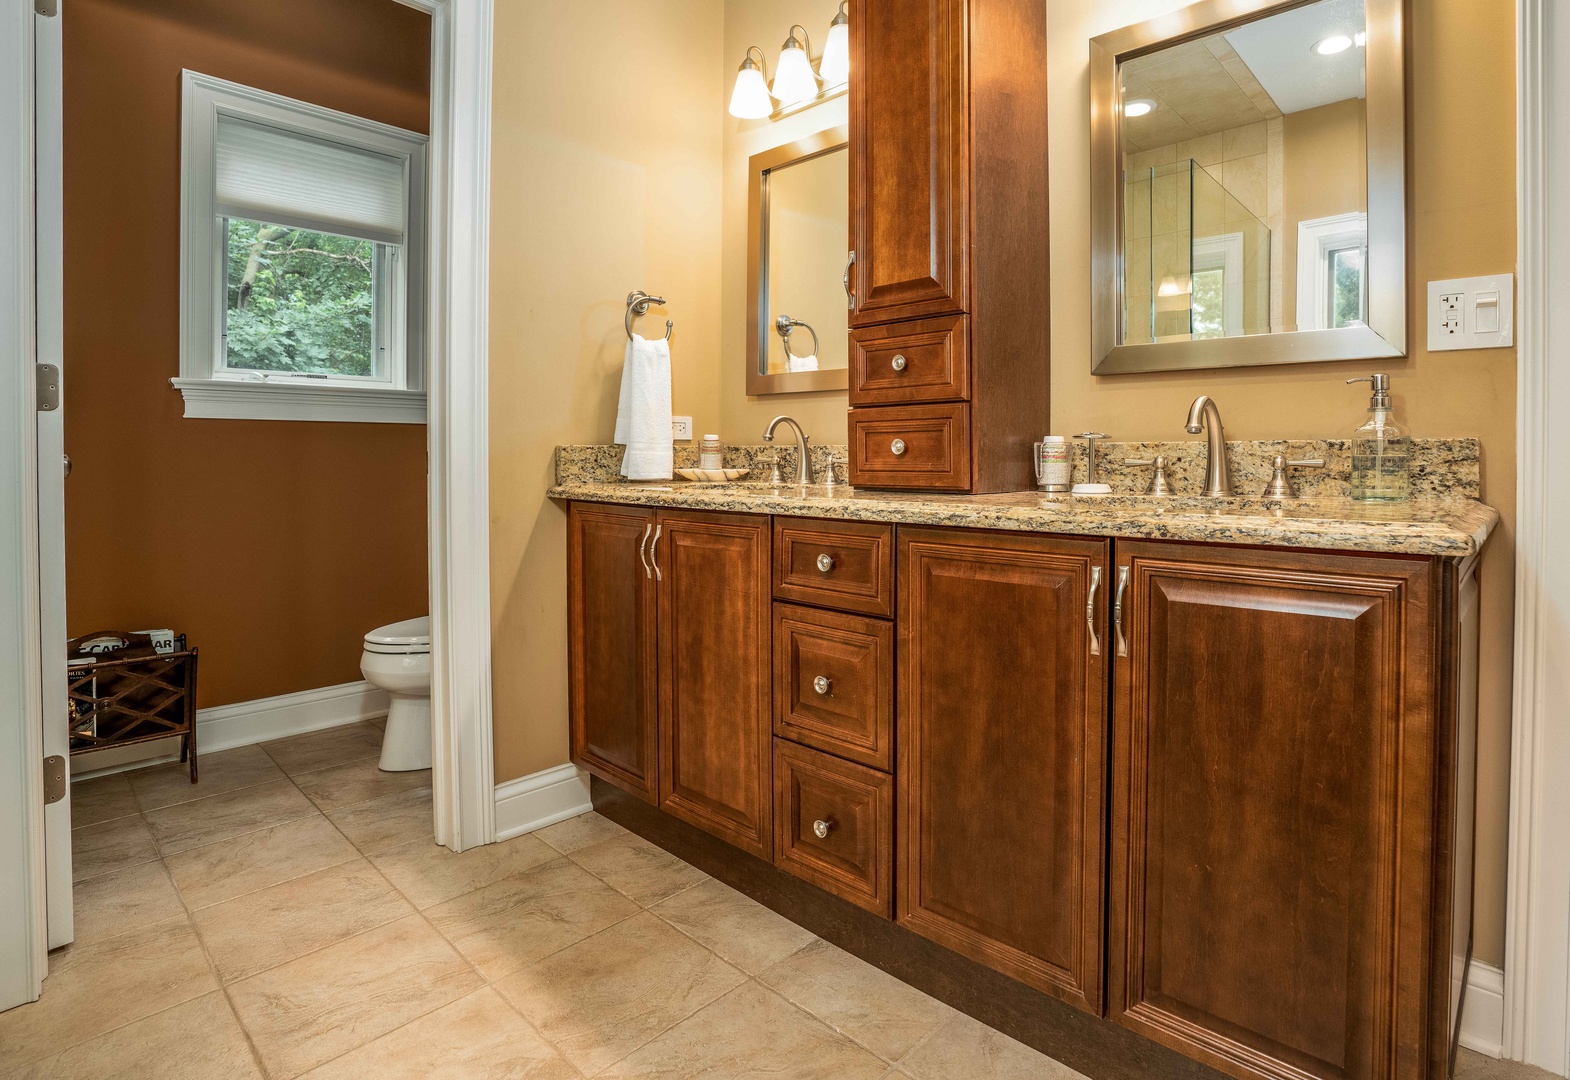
(820, 829)
(821, 684)
(898, 363)
(825, 563)
(898, 446)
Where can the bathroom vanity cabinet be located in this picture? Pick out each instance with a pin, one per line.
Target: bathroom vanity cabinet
(669, 639)
(1217, 794)
(947, 276)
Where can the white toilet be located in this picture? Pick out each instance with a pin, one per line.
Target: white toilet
(397, 658)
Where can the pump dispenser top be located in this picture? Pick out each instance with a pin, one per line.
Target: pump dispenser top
(1381, 451)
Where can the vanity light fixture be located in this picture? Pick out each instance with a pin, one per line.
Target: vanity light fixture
(794, 79)
(750, 99)
(1138, 107)
(1330, 46)
(834, 68)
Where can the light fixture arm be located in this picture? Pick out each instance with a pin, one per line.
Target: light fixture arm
(762, 64)
(806, 41)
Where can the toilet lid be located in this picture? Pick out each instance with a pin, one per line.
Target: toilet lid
(409, 636)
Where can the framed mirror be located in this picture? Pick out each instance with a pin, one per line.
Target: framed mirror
(798, 209)
(1248, 200)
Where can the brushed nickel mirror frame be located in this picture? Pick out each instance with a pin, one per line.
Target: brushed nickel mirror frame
(759, 166)
(1385, 334)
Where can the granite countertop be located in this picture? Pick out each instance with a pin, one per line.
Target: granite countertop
(1455, 527)
(1444, 517)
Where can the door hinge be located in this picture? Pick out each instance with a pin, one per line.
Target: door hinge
(48, 379)
(47, 8)
(54, 779)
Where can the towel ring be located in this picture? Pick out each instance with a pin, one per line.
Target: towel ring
(785, 324)
(638, 303)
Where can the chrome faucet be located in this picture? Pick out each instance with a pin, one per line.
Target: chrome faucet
(803, 459)
(1204, 416)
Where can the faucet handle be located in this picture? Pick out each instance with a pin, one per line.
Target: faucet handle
(1158, 482)
(1280, 486)
(1090, 438)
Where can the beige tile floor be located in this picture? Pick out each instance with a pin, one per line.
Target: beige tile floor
(290, 917)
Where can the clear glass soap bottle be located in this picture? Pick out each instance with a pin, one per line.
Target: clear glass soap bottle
(1381, 451)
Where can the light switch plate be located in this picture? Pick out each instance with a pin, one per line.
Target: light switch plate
(681, 428)
(1471, 313)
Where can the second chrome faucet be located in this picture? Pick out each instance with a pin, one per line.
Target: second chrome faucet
(1204, 416)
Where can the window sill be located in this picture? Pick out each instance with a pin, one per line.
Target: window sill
(232, 399)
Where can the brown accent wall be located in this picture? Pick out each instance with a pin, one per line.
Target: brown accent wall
(274, 545)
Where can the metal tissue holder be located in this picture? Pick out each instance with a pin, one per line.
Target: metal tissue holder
(638, 303)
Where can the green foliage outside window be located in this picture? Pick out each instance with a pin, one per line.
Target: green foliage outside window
(299, 301)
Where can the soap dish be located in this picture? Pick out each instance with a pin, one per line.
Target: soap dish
(712, 476)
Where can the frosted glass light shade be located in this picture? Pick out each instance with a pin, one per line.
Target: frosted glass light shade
(750, 99)
(835, 65)
(794, 81)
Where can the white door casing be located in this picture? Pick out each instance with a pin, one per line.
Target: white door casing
(1537, 930)
(462, 773)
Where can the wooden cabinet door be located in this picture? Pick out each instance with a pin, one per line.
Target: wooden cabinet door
(713, 574)
(1273, 808)
(611, 645)
(1002, 672)
(908, 159)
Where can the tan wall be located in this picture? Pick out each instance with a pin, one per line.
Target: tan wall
(1326, 174)
(605, 170)
(1463, 223)
(274, 545)
(764, 23)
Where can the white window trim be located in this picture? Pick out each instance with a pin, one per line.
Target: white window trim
(209, 395)
(1316, 237)
(1225, 253)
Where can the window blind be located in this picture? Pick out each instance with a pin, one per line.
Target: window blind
(285, 178)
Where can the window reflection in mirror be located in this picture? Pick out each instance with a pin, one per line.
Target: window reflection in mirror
(1244, 159)
(806, 229)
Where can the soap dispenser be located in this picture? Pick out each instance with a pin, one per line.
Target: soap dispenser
(1381, 451)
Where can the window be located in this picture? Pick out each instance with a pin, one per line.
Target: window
(1332, 272)
(302, 261)
(1216, 283)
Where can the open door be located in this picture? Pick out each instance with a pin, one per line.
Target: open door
(52, 471)
(23, 961)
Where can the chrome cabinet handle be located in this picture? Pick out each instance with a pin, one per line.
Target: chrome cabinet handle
(850, 296)
(820, 828)
(1090, 610)
(654, 551)
(898, 363)
(825, 563)
(1117, 611)
(898, 446)
(821, 684)
(643, 550)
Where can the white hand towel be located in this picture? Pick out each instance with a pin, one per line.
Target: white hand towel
(802, 363)
(643, 416)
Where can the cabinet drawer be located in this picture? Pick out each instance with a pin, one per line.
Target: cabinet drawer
(833, 683)
(910, 362)
(839, 564)
(915, 446)
(852, 806)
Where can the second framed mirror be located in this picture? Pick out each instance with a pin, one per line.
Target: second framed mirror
(798, 212)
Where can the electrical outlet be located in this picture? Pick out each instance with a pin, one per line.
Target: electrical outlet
(681, 428)
(1471, 313)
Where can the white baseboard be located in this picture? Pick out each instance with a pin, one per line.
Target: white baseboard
(225, 727)
(541, 799)
(1483, 1012)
